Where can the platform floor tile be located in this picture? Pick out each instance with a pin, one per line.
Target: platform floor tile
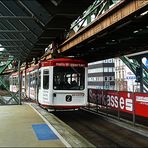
(16, 128)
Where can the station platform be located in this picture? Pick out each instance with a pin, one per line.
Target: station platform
(28, 125)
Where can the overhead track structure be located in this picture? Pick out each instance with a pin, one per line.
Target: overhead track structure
(122, 29)
(93, 11)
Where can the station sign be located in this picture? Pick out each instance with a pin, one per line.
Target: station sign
(70, 64)
(130, 76)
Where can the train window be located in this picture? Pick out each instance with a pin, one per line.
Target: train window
(23, 84)
(27, 79)
(11, 81)
(33, 80)
(46, 79)
(16, 80)
(68, 78)
(39, 80)
(30, 80)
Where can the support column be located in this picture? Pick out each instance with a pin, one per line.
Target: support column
(19, 81)
(141, 71)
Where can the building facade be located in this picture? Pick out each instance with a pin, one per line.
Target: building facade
(124, 77)
(112, 74)
(101, 74)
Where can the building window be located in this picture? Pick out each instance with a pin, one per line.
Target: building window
(106, 69)
(123, 74)
(110, 69)
(110, 78)
(105, 78)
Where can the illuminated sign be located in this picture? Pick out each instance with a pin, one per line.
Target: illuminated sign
(70, 64)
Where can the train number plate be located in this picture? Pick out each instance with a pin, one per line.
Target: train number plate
(68, 98)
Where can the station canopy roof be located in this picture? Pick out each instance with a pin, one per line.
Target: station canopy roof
(27, 27)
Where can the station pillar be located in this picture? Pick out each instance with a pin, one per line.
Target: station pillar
(139, 73)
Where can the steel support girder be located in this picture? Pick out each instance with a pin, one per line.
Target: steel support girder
(14, 31)
(10, 59)
(12, 40)
(95, 9)
(132, 67)
(13, 95)
(145, 70)
(122, 10)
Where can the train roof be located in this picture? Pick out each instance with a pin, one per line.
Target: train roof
(15, 74)
(55, 62)
(32, 68)
(64, 62)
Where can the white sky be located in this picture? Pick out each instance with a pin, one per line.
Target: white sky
(1, 48)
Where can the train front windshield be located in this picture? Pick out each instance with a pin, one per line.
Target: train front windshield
(68, 78)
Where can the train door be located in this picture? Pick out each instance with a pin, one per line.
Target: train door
(11, 83)
(15, 86)
(33, 84)
(23, 84)
(39, 90)
(27, 84)
(44, 89)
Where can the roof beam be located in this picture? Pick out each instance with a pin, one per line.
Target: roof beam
(12, 31)
(21, 33)
(11, 46)
(16, 17)
(55, 28)
(47, 37)
(42, 44)
(12, 40)
(55, 2)
(67, 14)
(40, 23)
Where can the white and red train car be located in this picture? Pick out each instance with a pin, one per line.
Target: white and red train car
(31, 82)
(58, 83)
(13, 79)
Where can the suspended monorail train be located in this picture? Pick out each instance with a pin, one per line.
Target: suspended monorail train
(57, 83)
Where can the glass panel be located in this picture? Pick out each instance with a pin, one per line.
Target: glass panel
(69, 78)
(23, 81)
(46, 79)
(39, 80)
(105, 78)
(33, 80)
